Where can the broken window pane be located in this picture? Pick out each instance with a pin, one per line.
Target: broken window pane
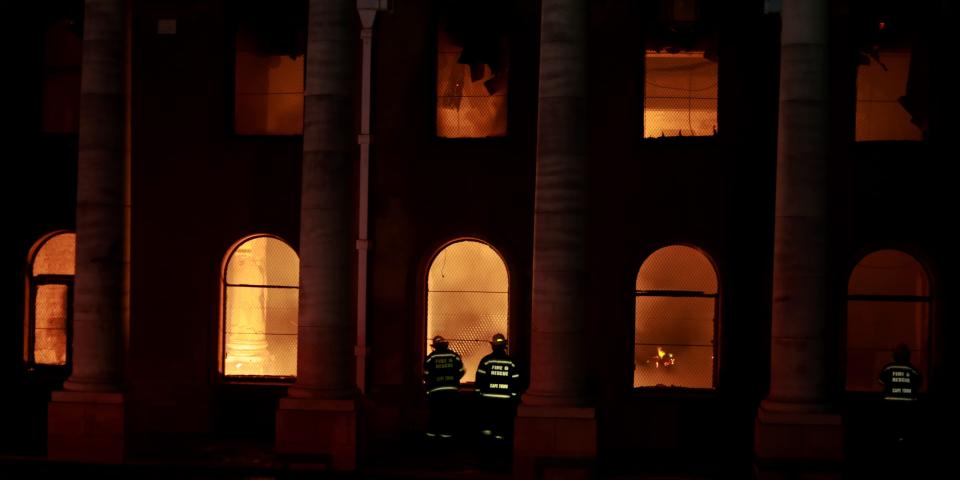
(269, 82)
(471, 74)
(880, 86)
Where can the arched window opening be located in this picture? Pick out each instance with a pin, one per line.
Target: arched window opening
(467, 300)
(888, 303)
(675, 323)
(50, 309)
(260, 308)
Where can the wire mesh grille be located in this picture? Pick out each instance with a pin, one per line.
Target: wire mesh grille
(471, 100)
(888, 317)
(56, 256)
(680, 95)
(261, 309)
(879, 88)
(675, 320)
(50, 327)
(264, 261)
(467, 295)
(678, 268)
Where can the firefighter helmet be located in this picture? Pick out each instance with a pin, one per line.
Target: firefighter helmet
(499, 340)
(438, 342)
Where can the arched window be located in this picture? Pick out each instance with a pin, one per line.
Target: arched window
(467, 295)
(261, 286)
(50, 309)
(676, 312)
(888, 303)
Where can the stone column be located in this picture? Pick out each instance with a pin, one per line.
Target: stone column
(85, 420)
(319, 414)
(554, 422)
(794, 421)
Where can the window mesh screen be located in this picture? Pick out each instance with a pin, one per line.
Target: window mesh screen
(471, 99)
(261, 307)
(888, 304)
(879, 88)
(675, 320)
(467, 294)
(56, 256)
(50, 327)
(680, 95)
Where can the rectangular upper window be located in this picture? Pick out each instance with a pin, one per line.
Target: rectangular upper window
(269, 68)
(680, 69)
(680, 95)
(471, 72)
(881, 84)
(893, 81)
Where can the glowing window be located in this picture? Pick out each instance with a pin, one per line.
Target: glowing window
(467, 293)
(471, 72)
(676, 313)
(270, 47)
(888, 303)
(880, 86)
(261, 294)
(61, 73)
(50, 309)
(680, 95)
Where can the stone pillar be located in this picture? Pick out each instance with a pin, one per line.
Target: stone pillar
(85, 420)
(795, 421)
(318, 416)
(555, 427)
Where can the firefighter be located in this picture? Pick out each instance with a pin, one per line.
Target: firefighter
(901, 380)
(901, 384)
(498, 381)
(442, 371)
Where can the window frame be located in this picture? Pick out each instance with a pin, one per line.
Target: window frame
(928, 300)
(285, 380)
(423, 349)
(716, 343)
(33, 282)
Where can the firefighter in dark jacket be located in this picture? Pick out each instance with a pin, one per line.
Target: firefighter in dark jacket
(901, 384)
(442, 371)
(498, 381)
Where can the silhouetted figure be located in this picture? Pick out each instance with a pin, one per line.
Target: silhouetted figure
(442, 371)
(901, 384)
(498, 382)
